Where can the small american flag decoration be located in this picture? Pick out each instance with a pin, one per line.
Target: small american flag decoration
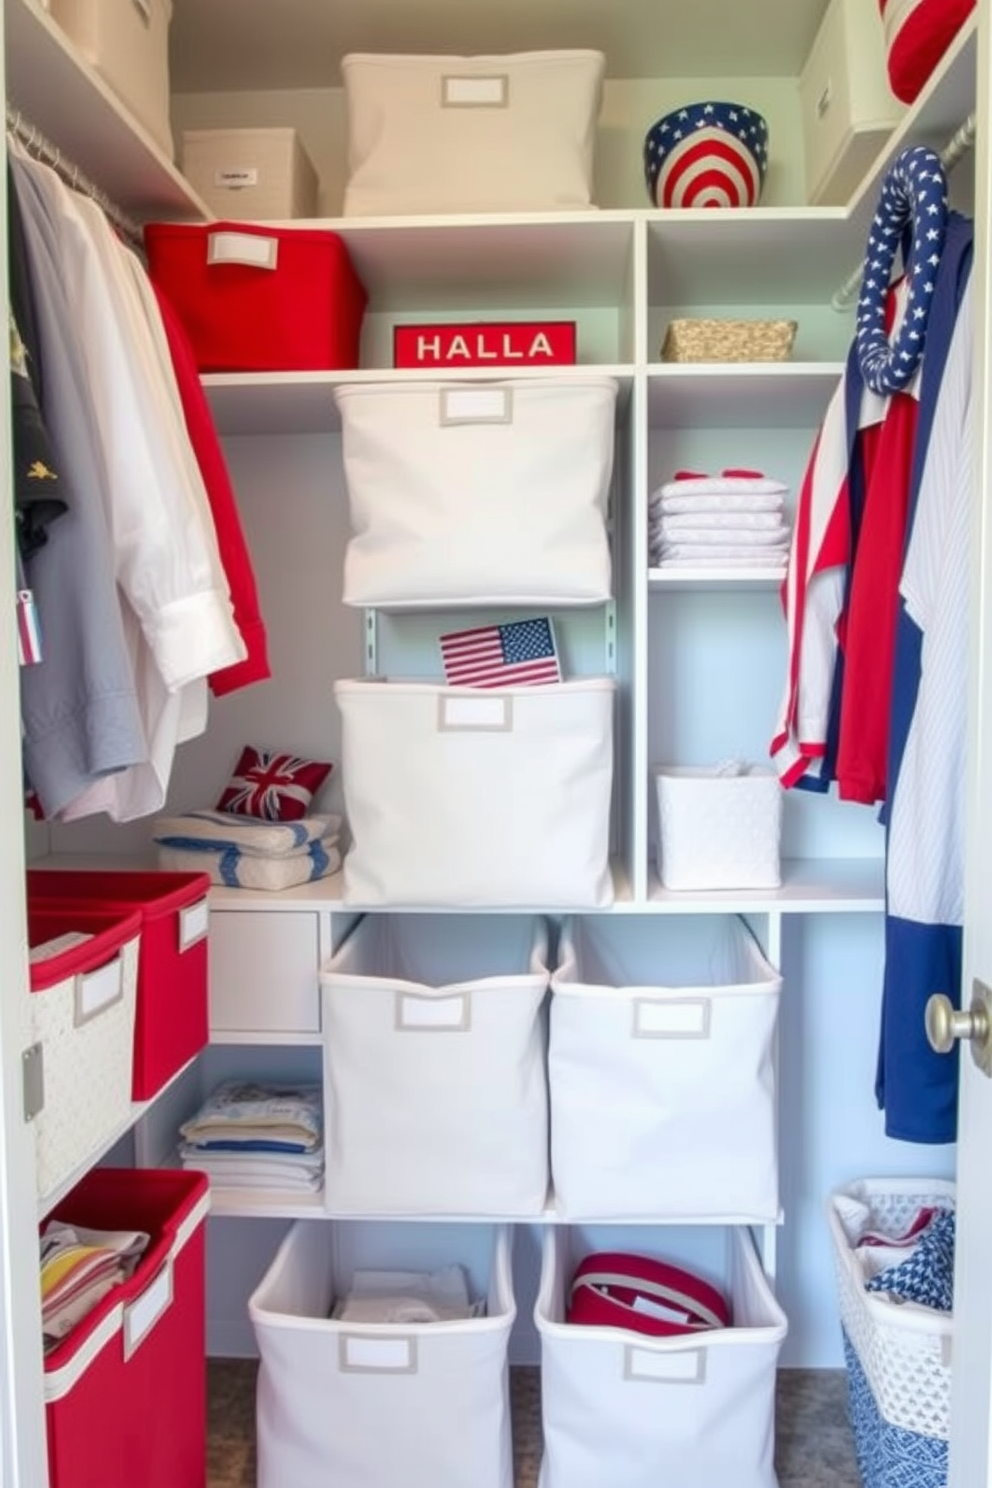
(522, 653)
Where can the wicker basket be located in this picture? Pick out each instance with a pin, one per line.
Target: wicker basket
(728, 341)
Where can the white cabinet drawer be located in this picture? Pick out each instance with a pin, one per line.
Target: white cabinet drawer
(264, 972)
(848, 109)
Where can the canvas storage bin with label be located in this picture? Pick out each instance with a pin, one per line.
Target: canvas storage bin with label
(684, 1410)
(478, 494)
(457, 796)
(897, 1343)
(127, 42)
(384, 1356)
(434, 1061)
(511, 133)
(661, 1068)
(170, 1019)
(83, 976)
(250, 174)
(719, 827)
(260, 299)
(125, 1389)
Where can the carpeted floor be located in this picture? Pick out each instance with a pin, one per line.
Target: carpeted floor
(814, 1447)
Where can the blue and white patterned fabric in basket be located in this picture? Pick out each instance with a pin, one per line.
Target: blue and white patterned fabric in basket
(927, 1274)
(889, 1456)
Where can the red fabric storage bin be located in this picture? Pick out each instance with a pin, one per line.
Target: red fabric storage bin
(917, 34)
(260, 299)
(125, 1391)
(171, 1021)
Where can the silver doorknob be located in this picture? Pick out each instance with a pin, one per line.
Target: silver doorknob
(945, 1024)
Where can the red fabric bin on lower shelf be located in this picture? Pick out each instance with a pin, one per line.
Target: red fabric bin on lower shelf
(125, 1391)
(255, 298)
(171, 1023)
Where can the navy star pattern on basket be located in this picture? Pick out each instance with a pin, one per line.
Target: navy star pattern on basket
(927, 1274)
(707, 155)
(913, 201)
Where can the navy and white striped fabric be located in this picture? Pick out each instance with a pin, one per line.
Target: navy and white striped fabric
(913, 205)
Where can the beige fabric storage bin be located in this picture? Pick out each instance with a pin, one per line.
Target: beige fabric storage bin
(717, 829)
(510, 133)
(250, 175)
(633, 1411)
(464, 797)
(662, 1070)
(478, 494)
(127, 43)
(435, 1071)
(379, 1405)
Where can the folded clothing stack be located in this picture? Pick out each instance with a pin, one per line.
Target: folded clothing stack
(408, 1297)
(79, 1267)
(246, 853)
(253, 1135)
(734, 519)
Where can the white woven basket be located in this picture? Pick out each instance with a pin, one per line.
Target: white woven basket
(904, 1348)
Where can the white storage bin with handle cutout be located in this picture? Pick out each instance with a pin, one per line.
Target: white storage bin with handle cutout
(375, 1405)
(662, 1070)
(471, 798)
(634, 1410)
(719, 827)
(513, 133)
(435, 1071)
(478, 494)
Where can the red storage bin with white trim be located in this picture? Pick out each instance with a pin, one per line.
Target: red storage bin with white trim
(83, 977)
(171, 1020)
(125, 1391)
(260, 299)
(917, 34)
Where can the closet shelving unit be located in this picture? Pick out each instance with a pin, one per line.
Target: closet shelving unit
(622, 274)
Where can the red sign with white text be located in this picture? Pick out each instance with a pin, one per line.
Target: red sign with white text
(538, 343)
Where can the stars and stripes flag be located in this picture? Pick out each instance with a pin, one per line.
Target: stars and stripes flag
(520, 654)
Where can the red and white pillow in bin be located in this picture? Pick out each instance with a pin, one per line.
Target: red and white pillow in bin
(917, 34)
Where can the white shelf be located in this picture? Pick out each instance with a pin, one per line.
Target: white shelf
(303, 402)
(57, 91)
(683, 576)
(744, 395)
(809, 886)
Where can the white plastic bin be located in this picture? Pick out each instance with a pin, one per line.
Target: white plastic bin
(478, 494)
(127, 42)
(425, 1405)
(469, 798)
(633, 1411)
(250, 175)
(662, 1070)
(718, 828)
(435, 1069)
(898, 1353)
(512, 133)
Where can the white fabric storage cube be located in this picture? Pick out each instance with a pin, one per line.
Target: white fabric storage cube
(250, 175)
(511, 133)
(661, 1067)
(718, 830)
(635, 1411)
(127, 43)
(425, 1405)
(473, 798)
(435, 1069)
(478, 493)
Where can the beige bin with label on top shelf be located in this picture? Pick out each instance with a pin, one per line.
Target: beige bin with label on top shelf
(250, 175)
(127, 43)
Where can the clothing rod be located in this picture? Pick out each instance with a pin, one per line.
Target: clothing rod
(958, 144)
(39, 145)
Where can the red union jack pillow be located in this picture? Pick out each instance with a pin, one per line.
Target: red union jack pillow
(272, 785)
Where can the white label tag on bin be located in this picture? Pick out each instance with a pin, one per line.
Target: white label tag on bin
(236, 178)
(360, 1354)
(679, 1367)
(194, 921)
(141, 1315)
(483, 713)
(243, 248)
(677, 1017)
(493, 405)
(475, 92)
(98, 990)
(424, 1014)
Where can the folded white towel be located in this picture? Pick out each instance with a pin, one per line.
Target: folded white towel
(727, 537)
(248, 834)
(764, 521)
(237, 870)
(709, 555)
(723, 485)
